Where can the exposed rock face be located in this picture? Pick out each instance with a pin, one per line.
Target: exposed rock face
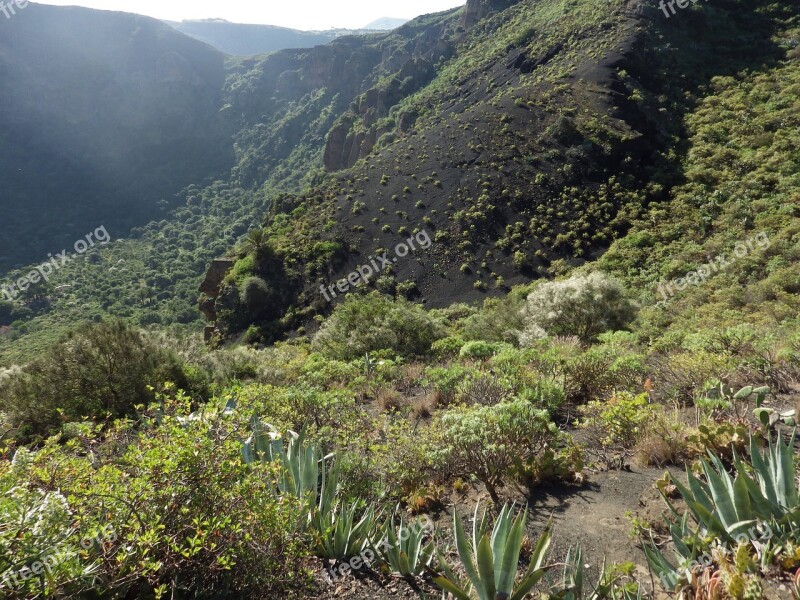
(346, 144)
(211, 286)
(476, 10)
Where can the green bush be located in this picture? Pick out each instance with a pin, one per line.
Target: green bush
(447, 347)
(98, 371)
(259, 298)
(445, 380)
(186, 511)
(488, 442)
(478, 349)
(584, 306)
(374, 322)
(618, 421)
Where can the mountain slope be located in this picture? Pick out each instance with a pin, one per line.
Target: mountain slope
(387, 23)
(545, 133)
(104, 114)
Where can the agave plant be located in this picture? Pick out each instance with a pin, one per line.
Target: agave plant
(306, 474)
(574, 584)
(731, 509)
(302, 463)
(403, 547)
(491, 561)
(337, 531)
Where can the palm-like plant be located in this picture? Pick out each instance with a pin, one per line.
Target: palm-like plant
(255, 240)
(491, 561)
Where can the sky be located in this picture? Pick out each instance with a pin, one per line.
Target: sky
(298, 14)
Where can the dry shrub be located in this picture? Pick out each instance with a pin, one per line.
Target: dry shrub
(663, 442)
(388, 400)
(410, 375)
(426, 499)
(423, 406)
(484, 389)
(679, 377)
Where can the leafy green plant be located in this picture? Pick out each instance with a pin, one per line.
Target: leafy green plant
(619, 421)
(574, 585)
(491, 560)
(488, 442)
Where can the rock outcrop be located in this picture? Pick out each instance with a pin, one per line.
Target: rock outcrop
(212, 284)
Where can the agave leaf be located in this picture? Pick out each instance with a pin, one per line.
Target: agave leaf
(486, 584)
(784, 465)
(721, 493)
(464, 551)
(502, 528)
(451, 587)
(507, 562)
(530, 579)
(662, 568)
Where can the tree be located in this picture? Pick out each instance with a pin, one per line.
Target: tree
(100, 370)
(375, 322)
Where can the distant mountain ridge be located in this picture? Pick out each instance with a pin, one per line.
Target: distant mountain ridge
(247, 40)
(386, 23)
(104, 115)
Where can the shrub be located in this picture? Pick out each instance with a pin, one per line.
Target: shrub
(483, 388)
(445, 381)
(499, 319)
(619, 421)
(447, 347)
(259, 298)
(97, 371)
(183, 510)
(682, 377)
(478, 349)
(486, 442)
(584, 306)
(374, 322)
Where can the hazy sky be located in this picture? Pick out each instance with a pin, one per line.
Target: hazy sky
(299, 14)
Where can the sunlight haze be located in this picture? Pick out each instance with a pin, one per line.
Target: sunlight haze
(301, 14)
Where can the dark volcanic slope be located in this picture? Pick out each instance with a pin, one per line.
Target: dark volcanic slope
(522, 136)
(103, 115)
(512, 140)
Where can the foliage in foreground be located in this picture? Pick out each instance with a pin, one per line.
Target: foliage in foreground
(491, 559)
(743, 524)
